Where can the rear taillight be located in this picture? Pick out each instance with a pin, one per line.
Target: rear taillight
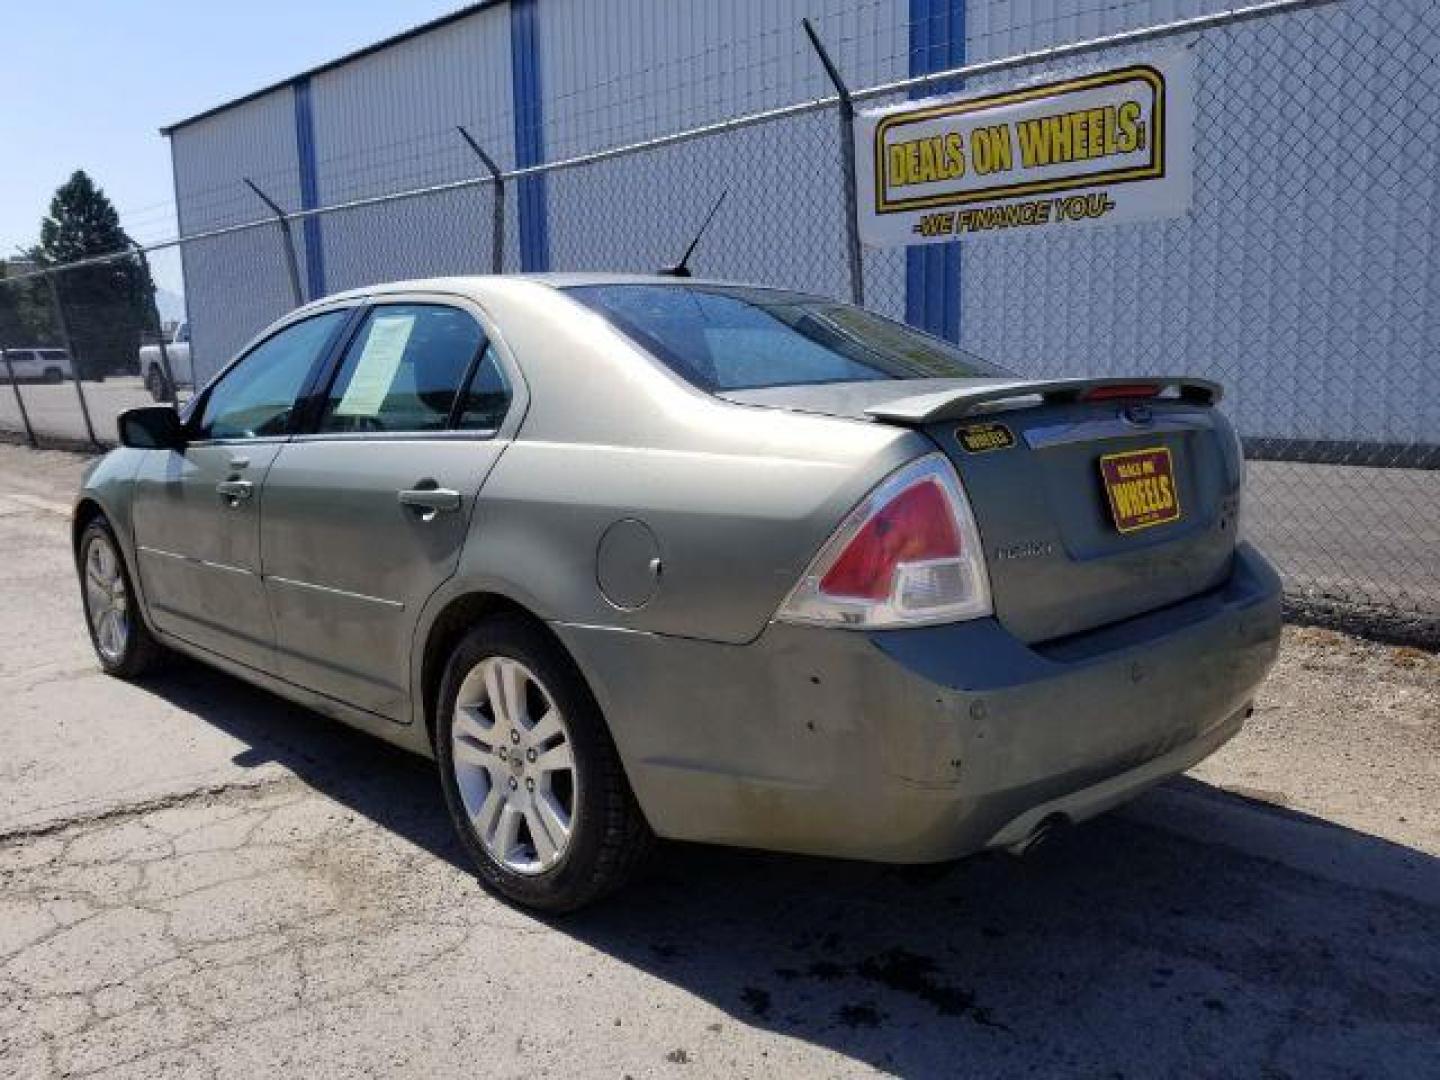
(908, 555)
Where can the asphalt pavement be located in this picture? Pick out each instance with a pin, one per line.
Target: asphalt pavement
(54, 408)
(199, 879)
(1366, 535)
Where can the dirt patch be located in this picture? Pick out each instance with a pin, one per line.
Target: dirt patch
(1347, 729)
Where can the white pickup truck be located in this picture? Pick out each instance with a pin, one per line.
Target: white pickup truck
(35, 365)
(152, 368)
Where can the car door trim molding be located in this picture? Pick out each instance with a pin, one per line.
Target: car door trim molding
(331, 590)
(258, 440)
(447, 435)
(146, 549)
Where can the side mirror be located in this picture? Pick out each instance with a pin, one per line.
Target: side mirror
(151, 427)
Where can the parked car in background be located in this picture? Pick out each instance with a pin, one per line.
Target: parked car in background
(177, 352)
(36, 364)
(638, 556)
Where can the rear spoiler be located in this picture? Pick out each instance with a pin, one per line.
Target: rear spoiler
(954, 404)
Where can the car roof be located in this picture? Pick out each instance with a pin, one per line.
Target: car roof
(481, 285)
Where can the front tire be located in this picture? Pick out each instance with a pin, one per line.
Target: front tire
(531, 777)
(123, 643)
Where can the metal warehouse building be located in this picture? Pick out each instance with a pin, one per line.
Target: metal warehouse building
(1303, 264)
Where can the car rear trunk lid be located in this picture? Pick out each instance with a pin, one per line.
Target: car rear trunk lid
(1095, 501)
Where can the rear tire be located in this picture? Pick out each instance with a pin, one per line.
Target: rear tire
(123, 643)
(534, 785)
(54, 376)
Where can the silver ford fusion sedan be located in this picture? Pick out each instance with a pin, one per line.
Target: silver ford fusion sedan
(649, 556)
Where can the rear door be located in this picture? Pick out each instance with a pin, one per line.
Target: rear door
(196, 510)
(365, 515)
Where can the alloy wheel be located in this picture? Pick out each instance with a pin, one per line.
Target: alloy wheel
(106, 601)
(514, 765)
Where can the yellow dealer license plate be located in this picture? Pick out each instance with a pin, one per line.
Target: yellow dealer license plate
(1140, 485)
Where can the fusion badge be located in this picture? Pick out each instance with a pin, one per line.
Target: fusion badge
(1140, 485)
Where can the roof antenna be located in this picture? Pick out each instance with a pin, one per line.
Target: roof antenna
(681, 269)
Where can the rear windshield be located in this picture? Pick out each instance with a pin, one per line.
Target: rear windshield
(722, 337)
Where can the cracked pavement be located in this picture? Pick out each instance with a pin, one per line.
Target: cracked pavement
(198, 879)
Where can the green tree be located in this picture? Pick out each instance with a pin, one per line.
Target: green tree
(107, 305)
(24, 309)
(13, 331)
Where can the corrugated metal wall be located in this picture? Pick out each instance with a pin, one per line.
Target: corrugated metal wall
(236, 284)
(611, 71)
(1299, 279)
(1219, 292)
(995, 28)
(386, 122)
(254, 139)
(383, 122)
(619, 71)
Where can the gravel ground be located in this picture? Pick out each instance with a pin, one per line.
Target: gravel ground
(1346, 729)
(199, 879)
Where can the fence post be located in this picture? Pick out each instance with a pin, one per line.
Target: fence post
(497, 242)
(64, 327)
(19, 398)
(280, 219)
(854, 258)
(169, 372)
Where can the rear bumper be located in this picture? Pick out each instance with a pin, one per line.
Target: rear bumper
(926, 744)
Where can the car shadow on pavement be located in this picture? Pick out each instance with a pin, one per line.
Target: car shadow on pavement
(1194, 932)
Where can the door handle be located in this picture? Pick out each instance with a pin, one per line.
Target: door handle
(431, 501)
(235, 491)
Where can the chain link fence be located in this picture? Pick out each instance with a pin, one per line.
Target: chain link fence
(1304, 278)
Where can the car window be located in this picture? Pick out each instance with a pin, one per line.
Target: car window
(403, 370)
(733, 338)
(487, 398)
(257, 396)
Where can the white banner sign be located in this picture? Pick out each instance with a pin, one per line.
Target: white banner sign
(1090, 149)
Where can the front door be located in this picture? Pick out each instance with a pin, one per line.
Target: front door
(365, 517)
(197, 510)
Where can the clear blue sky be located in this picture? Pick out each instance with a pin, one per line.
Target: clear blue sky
(90, 82)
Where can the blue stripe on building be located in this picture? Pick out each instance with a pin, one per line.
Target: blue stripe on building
(932, 271)
(529, 135)
(309, 191)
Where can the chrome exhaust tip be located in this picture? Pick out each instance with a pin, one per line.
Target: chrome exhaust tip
(1043, 833)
